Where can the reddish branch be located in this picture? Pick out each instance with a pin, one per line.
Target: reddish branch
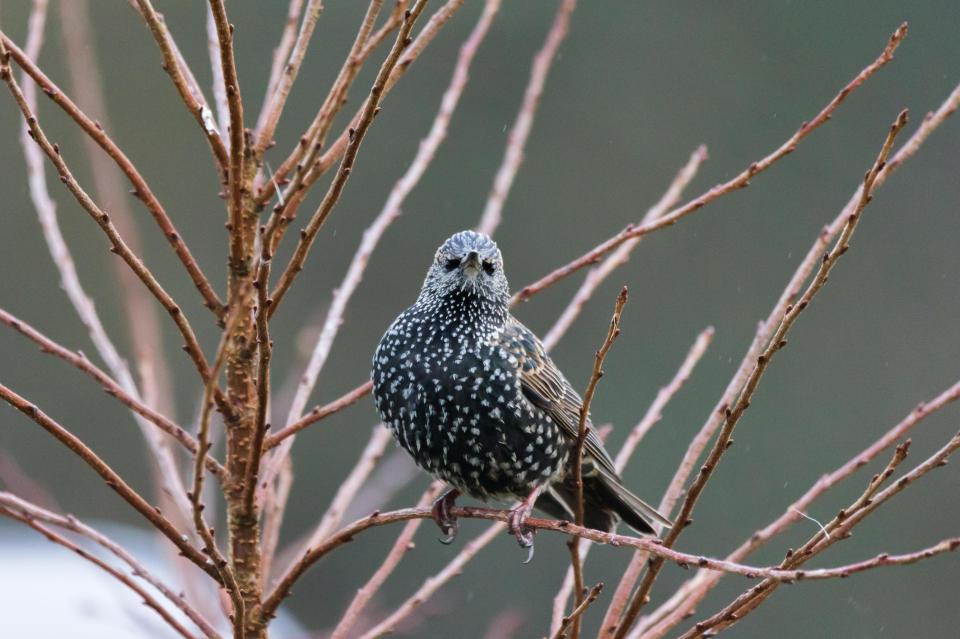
(103, 220)
(520, 131)
(80, 361)
(648, 544)
(14, 506)
(273, 108)
(303, 156)
(180, 74)
(112, 479)
(401, 545)
(57, 538)
(583, 428)
(141, 189)
(733, 414)
(370, 109)
(320, 412)
(685, 599)
(838, 529)
(740, 181)
(572, 620)
(650, 418)
(316, 168)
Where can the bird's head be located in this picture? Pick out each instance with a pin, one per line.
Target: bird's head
(471, 262)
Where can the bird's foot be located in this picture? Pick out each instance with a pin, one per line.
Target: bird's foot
(517, 524)
(444, 518)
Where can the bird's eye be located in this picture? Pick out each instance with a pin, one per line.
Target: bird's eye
(489, 267)
(452, 264)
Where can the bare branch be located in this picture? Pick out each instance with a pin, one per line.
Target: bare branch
(582, 430)
(305, 153)
(183, 81)
(574, 616)
(112, 479)
(598, 274)
(56, 538)
(25, 511)
(777, 341)
(400, 547)
(111, 386)
(434, 583)
(141, 189)
(650, 418)
(273, 108)
(319, 413)
(103, 220)
(520, 131)
(370, 110)
(653, 546)
(686, 598)
(740, 181)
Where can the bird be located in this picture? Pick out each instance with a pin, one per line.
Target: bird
(472, 395)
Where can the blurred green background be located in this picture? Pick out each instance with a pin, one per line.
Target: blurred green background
(636, 87)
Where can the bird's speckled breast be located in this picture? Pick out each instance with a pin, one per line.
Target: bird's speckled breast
(450, 393)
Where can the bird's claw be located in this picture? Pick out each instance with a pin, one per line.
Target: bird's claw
(516, 524)
(450, 529)
(444, 518)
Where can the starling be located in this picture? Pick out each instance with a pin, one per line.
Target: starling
(471, 394)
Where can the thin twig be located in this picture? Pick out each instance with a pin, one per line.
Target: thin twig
(311, 142)
(141, 189)
(651, 545)
(650, 418)
(400, 547)
(112, 479)
(216, 70)
(111, 386)
(319, 413)
(281, 53)
(613, 331)
(240, 254)
(598, 274)
(370, 110)
(103, 220)
(776, 343)
(434, 583)
(691, 593)
(379, 439)
(57, 538)
(520, 131)
(576, 613)
(179, 74)
(12, 503)
(740, 181)
(273, 108)
(839, 528)
(141, 317)
(315, 169)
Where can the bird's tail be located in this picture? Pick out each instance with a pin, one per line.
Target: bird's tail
(605, 501)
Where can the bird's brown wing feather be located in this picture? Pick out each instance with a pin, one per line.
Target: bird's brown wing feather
(546, 388)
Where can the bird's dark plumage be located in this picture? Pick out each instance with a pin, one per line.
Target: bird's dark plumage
(471, 394)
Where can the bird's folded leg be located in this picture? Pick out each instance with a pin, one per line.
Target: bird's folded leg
(445, 520)
(517, 522)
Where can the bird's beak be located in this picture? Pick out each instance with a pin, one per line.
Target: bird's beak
(471, 265)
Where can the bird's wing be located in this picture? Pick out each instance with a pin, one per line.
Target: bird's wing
(546, 388)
